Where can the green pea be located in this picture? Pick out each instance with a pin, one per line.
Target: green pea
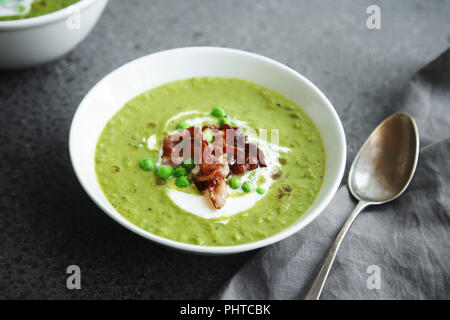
(183, 125)
(147, 164)
(261, 191)
(179, 172)
(188, 164)
(219, 112)
(164, 171)
(182, 182)
(247, 186)
(234, 182)
(224, 121)
(208, 135)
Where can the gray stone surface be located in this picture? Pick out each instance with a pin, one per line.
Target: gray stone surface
(47, 221)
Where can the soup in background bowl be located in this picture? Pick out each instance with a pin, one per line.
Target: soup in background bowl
(118, 146)
(23, 9)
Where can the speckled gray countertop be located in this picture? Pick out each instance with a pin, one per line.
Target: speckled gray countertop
(47, 222)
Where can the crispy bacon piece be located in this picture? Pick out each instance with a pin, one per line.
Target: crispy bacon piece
(228, 153)
(218, 193)
(213, 176)
(176, 144)
(254, 157)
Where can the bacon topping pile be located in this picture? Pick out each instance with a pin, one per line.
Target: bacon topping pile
(229, 153)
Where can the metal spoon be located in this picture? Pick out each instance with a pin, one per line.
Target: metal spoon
(381, 171)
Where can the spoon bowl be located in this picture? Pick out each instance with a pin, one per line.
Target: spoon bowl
(386, 162)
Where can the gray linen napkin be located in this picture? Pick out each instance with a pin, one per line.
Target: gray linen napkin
(406, 242)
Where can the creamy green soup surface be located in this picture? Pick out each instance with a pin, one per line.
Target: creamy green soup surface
(22, 9)
(287, 187)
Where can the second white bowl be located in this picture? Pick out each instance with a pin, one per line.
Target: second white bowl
(29, 42)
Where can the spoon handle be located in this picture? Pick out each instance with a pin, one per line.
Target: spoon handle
(317, 286)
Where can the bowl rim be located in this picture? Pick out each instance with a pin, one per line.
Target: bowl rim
(46, 18)
(217, 250)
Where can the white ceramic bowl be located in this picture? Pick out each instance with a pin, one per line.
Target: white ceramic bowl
(111, 93)
(29, 42)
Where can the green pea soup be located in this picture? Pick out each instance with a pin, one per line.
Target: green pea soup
(144, 199)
